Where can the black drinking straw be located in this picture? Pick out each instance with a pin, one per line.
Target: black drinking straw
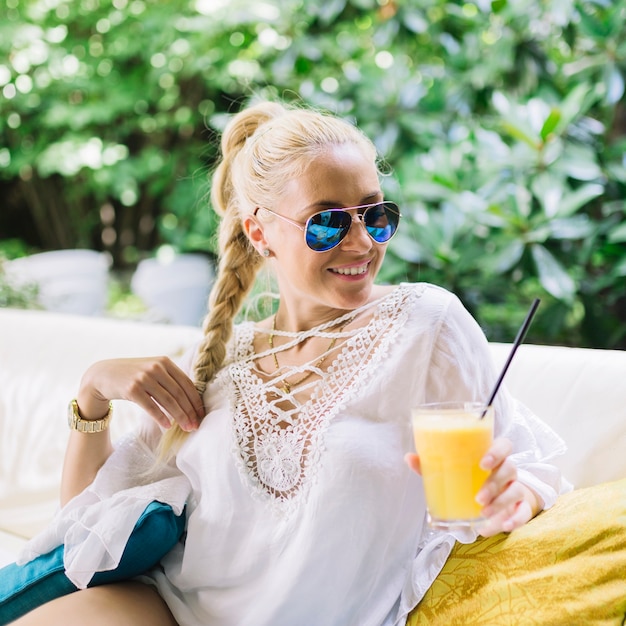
(518, 340)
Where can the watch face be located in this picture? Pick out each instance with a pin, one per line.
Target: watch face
(71, 414)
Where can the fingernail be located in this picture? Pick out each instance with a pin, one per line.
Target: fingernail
(482, 497)
(487, 462)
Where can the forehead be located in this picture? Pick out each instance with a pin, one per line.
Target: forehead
(340, 174)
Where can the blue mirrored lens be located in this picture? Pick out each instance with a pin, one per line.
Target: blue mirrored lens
(381, 221)
(326, 229)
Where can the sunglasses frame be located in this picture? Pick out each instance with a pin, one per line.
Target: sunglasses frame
(357, 218)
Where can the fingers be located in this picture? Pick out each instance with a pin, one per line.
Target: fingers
(156, 384)
(506, 502)
(497, 453)
(503, 471)
(508, 511)
(499, 480)
(413, 461)
(166, 393)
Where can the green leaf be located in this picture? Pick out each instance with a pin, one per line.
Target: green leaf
(577, 227)
(520, 131)
(615, 84)
(515, 120)
(593, 25)
(408, 249)
(329, 11)
(575, 104)
(549, 190)
(426, 190)
(507, 258)
(579, 163)
(414, 20)
(572, 202)
(618, 234)
(550, 124)
(552, 275)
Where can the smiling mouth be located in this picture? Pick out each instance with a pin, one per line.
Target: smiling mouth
(351, 271)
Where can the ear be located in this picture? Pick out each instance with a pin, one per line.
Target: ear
(254, 231)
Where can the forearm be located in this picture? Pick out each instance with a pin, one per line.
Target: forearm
(86, 452)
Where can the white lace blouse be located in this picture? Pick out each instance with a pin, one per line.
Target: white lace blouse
(312, 516)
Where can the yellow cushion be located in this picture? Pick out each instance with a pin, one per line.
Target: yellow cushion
(567, 566)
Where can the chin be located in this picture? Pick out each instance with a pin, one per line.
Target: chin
(353, 295)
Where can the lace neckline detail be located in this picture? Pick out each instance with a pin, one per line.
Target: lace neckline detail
(278, 440)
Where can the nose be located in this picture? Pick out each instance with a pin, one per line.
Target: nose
(357, 237)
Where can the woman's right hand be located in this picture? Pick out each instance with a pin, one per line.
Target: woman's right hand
(156, 384)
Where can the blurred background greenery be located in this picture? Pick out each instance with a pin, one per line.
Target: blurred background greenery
(501, 123)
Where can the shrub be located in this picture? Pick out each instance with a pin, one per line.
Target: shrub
(502, 122)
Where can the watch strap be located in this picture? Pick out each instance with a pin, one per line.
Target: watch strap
(76, 422)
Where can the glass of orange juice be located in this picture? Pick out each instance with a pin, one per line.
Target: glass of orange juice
(451, 438)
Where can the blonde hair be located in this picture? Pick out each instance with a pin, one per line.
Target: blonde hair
(263, 147)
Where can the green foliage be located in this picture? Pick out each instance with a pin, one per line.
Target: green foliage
(502, 123)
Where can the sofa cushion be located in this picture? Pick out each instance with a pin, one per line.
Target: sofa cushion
(566, 566)
(25, 587)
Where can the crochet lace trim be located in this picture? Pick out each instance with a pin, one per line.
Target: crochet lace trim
(278, 441)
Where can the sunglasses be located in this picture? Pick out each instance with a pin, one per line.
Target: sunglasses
(327, 229)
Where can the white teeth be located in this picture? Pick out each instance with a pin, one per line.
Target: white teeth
(352, 271)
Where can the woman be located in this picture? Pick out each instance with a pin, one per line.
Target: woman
(292, 432)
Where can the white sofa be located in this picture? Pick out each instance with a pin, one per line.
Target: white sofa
(581, 393)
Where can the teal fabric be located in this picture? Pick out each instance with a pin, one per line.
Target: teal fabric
(25, 587)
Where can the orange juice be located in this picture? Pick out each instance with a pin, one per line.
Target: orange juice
(451, 439)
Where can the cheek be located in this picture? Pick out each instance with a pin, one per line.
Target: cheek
(298, 262)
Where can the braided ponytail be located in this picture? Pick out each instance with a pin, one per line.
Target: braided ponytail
(238, 264)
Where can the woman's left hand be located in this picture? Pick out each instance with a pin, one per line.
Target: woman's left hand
(507, 503)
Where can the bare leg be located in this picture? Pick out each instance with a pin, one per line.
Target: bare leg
(120, 604)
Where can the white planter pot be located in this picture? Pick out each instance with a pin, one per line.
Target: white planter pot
(70, 281)
(176, 289)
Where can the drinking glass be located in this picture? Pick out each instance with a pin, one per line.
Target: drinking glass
(451, 438)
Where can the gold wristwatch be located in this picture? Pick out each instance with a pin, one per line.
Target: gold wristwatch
(76, 422)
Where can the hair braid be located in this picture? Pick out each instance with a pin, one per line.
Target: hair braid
(237, 270)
